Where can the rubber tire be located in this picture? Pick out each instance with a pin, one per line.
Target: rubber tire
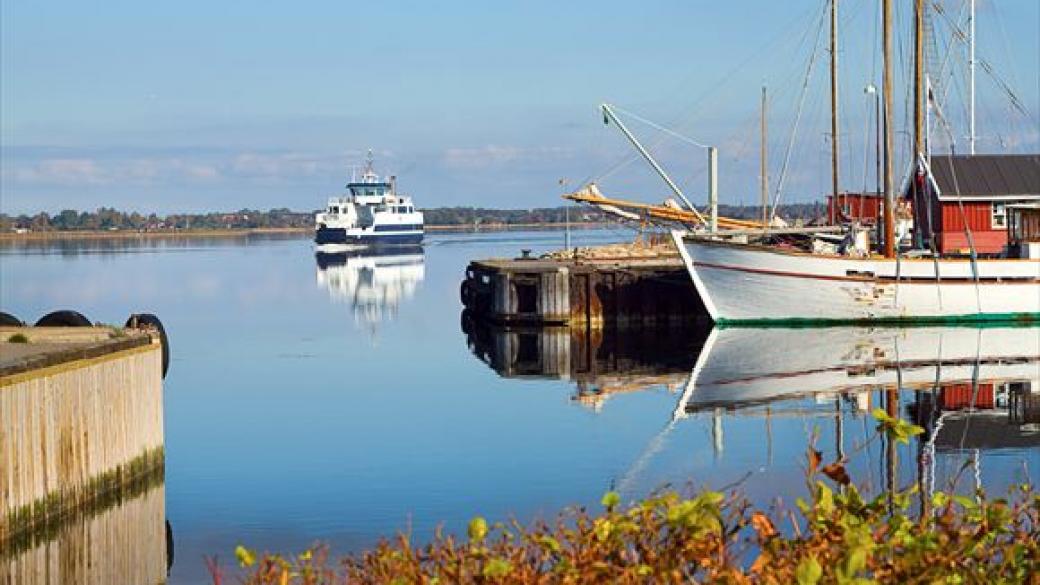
(64, 318)
(152, 320)
(9, 320)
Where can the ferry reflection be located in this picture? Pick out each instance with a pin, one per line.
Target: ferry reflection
(601, 363)
(124, 539)
(373, 282)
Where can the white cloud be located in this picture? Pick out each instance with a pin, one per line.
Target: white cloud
(494, 155)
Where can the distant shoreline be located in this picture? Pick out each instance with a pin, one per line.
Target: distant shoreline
(246, 232)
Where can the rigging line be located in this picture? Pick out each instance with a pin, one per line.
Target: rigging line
(656, 126)
(798, 116)
(696, 105)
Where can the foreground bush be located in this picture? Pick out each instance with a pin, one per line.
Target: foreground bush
(837, 536)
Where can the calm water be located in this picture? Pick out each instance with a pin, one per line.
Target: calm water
(344, 398)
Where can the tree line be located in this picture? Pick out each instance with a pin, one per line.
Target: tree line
(110, 219)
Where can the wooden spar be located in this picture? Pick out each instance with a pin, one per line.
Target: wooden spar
(658, 212)
(890, 203)
(835, 143)
(918, 78)
(918, 201)
(763, 168)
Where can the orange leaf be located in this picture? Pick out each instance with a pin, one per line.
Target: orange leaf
(836, 471)
(814, 460)
(763, 525)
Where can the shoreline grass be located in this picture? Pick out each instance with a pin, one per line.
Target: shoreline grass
(836, 535)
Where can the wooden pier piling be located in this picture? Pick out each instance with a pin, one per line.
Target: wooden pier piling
(596, 293)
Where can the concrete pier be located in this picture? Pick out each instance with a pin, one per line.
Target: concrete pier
(651, 290)
(80, 417)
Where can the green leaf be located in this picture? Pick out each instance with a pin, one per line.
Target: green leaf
(602, 528)
(825, 498)
(495, 568)
(809, 571)
(966, 502)
(550, 543)
(246, 557)
(478, 529)
(610, 500)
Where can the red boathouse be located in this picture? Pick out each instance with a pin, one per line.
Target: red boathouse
(962, 193)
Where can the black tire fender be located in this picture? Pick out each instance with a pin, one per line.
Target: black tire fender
(64, 318)
(142, 320)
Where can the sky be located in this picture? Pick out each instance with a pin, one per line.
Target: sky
(195, 106)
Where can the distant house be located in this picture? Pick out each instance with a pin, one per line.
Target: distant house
(959, 193)
(864, 208)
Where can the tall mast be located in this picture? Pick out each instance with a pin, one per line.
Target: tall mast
(763, 167)
(918, 78)
(971, 78)
(886, 42)
(834, 100)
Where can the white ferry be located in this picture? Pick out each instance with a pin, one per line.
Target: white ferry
(373, 214)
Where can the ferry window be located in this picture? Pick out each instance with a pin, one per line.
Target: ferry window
(999, 216)
(334, 209)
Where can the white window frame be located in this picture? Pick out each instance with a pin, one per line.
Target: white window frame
(998, 215)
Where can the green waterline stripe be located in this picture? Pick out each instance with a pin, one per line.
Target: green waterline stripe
(974, 320)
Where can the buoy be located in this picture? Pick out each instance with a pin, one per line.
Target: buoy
(141, 320)
(65, 318)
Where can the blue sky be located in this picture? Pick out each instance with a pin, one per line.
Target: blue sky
(201, 105)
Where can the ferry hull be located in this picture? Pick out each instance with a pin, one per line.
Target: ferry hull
(326, 236)
(743, 284)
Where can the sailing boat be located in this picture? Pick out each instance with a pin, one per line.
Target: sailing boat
(749, 283)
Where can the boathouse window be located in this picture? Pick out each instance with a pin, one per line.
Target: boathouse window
(999, 216)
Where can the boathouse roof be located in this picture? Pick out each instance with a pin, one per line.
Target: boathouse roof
(987, 176)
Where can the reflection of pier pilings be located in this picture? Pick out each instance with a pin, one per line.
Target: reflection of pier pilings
(600, 362)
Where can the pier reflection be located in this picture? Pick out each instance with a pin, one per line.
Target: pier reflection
(124, 540)
(600, 363)
(372, 282)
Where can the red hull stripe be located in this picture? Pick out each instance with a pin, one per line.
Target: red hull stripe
(879, 280)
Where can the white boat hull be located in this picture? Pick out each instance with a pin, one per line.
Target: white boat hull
(749, 284)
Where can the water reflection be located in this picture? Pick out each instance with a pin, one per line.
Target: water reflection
(971, 389)
(600, 363)
(373, 282)
(138, 243)
(124, 540)
(976, 392)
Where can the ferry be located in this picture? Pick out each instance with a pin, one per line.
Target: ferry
(372, 214)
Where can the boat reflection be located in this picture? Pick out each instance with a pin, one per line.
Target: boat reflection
(601, 363)
(745, 366)
(975, 391)
(122, 540)
(372, 281)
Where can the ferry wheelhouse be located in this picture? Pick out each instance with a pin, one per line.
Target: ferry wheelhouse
(371, 214)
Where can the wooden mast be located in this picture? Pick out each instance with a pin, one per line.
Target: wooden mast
(886, 42)
(834, 102)
(918, 78)
(763, 167)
